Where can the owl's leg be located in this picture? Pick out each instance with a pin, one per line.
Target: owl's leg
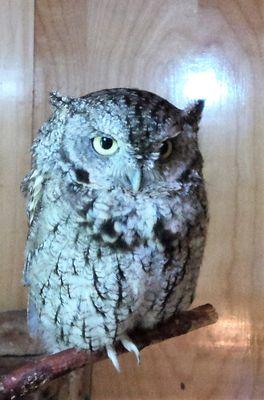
(130, 346)
(113, 356)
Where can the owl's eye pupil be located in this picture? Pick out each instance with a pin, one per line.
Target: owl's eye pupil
(106, 143)
(164, 149)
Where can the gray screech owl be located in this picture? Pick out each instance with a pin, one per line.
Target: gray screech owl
(117, 216)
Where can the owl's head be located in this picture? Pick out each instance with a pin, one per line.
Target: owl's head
(128, 138)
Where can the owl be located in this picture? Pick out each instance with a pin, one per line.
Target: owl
(117, 213)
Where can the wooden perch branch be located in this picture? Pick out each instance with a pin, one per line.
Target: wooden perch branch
(33, 375)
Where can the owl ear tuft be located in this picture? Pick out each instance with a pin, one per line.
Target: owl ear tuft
(193, 113)
(58, 101)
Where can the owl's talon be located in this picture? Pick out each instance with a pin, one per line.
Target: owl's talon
(130, 346)
(113, 356)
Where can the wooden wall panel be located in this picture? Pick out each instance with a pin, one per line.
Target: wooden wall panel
(87, 45)
(16, 85)
(211, 49)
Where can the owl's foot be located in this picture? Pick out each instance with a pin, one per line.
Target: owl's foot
(130, 346)
(113, 356)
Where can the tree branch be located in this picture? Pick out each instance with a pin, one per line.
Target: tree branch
(31, 376)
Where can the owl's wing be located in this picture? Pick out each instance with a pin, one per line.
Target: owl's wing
(32, 187)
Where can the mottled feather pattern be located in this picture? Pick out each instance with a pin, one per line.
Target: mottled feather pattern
(114, 241)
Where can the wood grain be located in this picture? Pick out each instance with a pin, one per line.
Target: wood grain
(180, 49)
(16, 85)
(34, 375)
(17, 348)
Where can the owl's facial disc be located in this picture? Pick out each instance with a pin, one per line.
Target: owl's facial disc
(107, 146)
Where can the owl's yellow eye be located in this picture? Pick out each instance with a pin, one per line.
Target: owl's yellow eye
(166, 150)
(105, 145)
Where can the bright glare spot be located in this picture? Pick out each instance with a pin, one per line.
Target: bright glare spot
(8, 88)
(12, 83)
(205, 85)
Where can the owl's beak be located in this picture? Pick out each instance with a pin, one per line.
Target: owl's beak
(134, 176)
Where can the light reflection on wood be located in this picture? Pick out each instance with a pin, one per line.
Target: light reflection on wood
(16, 86)
(227, 334)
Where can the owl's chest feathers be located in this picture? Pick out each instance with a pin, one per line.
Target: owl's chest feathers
(120, 220)
(111, 254)
(112, 224)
